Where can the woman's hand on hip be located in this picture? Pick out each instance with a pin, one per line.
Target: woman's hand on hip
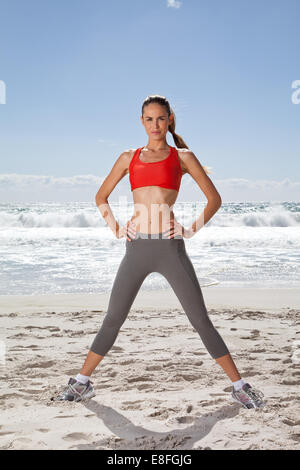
(128, 229)
(175, 228)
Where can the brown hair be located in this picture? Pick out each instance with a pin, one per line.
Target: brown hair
(162, 100)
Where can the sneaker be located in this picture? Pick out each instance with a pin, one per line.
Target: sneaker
(76, 391)
(248, 397)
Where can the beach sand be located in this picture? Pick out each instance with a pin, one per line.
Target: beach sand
(157, 388)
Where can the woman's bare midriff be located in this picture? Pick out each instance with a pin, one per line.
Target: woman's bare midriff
(153, 208)
(153, 205)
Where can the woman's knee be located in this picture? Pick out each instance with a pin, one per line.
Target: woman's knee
(200, 321)
(114, 319)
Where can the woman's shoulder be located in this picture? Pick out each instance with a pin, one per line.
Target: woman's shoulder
(131, 151)
(183, 151)
(184, 155)
(128, 155)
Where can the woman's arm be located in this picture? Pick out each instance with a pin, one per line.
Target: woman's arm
(117, 172)
(214, 201)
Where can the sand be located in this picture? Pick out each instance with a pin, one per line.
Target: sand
(157, 388)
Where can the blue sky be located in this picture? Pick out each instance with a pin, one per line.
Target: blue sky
(76, 73)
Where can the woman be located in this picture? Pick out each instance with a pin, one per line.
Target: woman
(154, 243)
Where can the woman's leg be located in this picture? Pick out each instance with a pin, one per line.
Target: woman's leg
(129, 278)
(91, 361)
(229, 367)
(179, 271)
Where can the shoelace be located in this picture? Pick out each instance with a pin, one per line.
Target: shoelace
(255, 394)
(76, 391)
(71, 387)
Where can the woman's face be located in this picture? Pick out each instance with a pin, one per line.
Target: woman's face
(156, 120)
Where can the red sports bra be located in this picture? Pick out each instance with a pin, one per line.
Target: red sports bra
(166, 173)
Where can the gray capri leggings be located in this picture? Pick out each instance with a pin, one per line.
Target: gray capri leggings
(167, 256)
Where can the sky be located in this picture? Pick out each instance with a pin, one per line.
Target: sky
(74, 74)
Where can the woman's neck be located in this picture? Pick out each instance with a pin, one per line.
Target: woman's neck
(157, 145)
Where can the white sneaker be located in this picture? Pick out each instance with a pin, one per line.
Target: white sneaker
(76, 391)
(248, 397)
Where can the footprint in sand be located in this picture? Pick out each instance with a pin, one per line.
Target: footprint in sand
(117, 348)
(187, 377)
(291, 398)
(185, 419)
(144, 386)
(277, 372)
(181, 420)
(154, 367)
(64, 416)
(140, 378)
(132, 405)
(291, 421)
(18, 335)
(72, 372)
(20, 347)
(31, 391)
(198, 363)
(251, 373)
(11, 395)
(212, 402)
(112, 374)
(257, 350)
(255, 332)
(75, 436)
(170, 363)
(37, 374)
(290, 382)
(6, 433)
(160, 414)
(249, 337)
(22, 440)
(49, 328)
(42, 365)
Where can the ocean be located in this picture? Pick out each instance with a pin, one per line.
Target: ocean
(68, 248)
